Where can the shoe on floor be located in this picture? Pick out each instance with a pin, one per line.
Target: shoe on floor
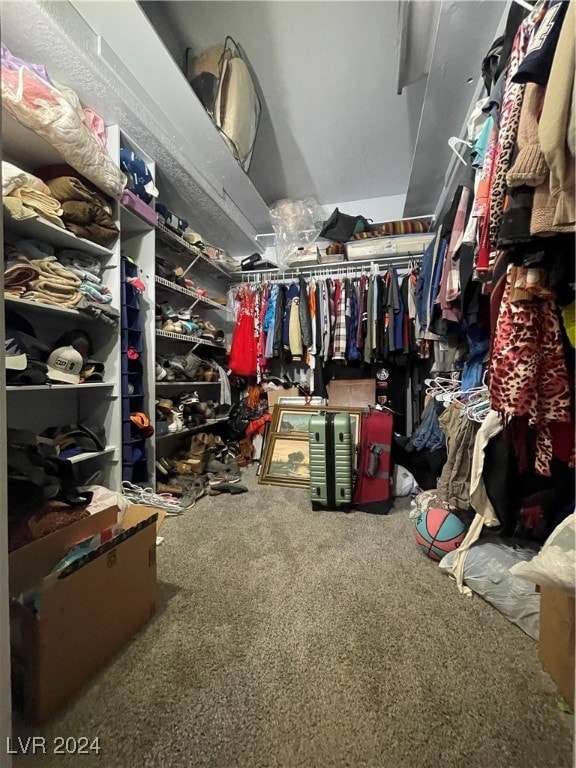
(217, 478)
(233, 490)
(214, 466)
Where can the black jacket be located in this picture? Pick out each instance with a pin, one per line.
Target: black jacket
(279, 320)
(304, 313)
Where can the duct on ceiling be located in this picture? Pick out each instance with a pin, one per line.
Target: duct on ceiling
(417, 24)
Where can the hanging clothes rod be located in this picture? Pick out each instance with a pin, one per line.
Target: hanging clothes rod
(334, 269)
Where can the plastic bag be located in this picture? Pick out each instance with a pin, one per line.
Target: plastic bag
(555, 564)
(296, 223)
(487, 571)
(54, 112)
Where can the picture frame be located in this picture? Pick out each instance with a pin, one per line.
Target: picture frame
(286, 461)
(296, 400)
(263, 451)
(293, 419)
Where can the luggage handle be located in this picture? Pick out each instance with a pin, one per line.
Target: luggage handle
(373, 468)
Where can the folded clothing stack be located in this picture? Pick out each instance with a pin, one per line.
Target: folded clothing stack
(88, 269)
(51, 284)
(84, 211)
(69, 279)
(25, 196)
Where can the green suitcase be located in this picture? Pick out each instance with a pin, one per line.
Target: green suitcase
(331, 450)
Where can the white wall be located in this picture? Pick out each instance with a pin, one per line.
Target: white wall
(376, 208)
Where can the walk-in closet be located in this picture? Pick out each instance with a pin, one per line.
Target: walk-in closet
(287, 439)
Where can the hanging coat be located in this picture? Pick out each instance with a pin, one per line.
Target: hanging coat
(304, 314)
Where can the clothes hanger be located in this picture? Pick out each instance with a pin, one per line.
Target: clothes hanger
(524, 4)
(453, 141)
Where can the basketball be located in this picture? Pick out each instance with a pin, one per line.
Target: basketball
(438, 532)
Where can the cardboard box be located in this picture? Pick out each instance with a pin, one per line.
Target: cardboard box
(556, 644)
(351, 393)
(274, 394)
(83, 618)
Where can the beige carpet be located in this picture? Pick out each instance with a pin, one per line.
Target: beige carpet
(286, 638)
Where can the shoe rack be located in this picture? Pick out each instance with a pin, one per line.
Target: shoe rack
(141, 243)
(208, 276)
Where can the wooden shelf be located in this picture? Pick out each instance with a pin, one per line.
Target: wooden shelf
(191, 293)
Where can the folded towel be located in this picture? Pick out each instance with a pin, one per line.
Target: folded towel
(56, 273)
(99, 294)
(47, 292)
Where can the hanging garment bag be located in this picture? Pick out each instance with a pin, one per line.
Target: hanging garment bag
(330, 461)
(372, 492)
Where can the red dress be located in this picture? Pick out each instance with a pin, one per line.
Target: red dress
(244, 348)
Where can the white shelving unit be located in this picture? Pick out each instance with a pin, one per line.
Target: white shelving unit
(38, 407)
(196, 297)
(194, 341)
(210, 276)
(191, 430)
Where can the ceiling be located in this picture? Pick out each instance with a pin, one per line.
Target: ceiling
(333, 125)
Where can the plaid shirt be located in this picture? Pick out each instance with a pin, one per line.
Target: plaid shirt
(339, 352)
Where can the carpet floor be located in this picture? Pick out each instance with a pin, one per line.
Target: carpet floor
(287, 639)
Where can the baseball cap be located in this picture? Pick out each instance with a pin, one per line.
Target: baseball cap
(14, 355)
(65, 364)
(79, 340)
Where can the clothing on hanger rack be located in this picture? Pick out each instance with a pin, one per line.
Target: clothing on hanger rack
(348, 312)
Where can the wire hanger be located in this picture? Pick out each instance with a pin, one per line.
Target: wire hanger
(524, 4)
(453, 141)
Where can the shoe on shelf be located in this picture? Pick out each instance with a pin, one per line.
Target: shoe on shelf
(188, 398)
(175, 422)
(161, 372)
